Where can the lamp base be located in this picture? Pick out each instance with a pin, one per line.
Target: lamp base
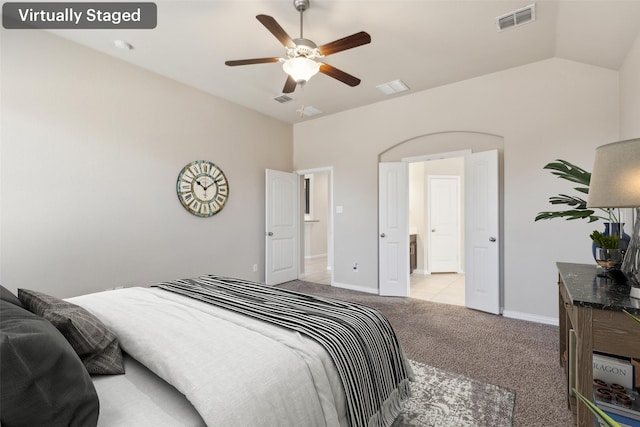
(631, 262)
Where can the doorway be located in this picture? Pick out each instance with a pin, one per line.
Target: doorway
(436, 215)
(482, 249)
(316, 230)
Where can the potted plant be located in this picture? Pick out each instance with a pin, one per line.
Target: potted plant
(609, 239)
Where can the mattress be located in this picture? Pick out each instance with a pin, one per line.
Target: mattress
(140, 398)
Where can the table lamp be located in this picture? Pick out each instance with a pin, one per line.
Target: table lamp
(615, 183)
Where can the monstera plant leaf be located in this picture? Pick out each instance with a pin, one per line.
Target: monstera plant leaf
(569, 215)
(566, 170)
(561, 199)
(570, 172)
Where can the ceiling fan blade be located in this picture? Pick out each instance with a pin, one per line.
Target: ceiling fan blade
(289, 85)
(354, 40)
(276, 30)
(339, 75)
(251, 61)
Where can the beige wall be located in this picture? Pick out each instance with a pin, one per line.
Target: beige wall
(91, 149)
(630, 93)
(547, 110)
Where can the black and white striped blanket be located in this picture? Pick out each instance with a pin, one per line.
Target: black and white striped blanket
(361, 342)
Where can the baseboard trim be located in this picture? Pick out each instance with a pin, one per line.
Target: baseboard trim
(531, 317)
(355, 288)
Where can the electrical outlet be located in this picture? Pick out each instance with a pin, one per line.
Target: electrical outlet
(255, 268)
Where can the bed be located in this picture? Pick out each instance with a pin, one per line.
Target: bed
(211, 350)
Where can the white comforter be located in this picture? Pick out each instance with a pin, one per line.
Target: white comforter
(235, 370)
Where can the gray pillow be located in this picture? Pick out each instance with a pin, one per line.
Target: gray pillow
(96, 345)
(6, 295)
(42, 379)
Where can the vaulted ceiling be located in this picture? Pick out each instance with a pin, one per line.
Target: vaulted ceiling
(424, 43)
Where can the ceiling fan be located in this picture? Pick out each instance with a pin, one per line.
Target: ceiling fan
(300, 63)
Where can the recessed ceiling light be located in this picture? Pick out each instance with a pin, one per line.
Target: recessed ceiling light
(308, 111)
(121, 44)
(392, 87)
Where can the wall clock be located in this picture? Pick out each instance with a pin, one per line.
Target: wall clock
(202, 188)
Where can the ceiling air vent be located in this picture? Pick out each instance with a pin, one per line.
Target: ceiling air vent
(517, 17)
(282, 99)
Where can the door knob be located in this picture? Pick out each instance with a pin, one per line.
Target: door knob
(269, 233)
(383, 235)
(492, 239)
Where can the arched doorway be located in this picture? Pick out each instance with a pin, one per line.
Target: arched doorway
(468, 145)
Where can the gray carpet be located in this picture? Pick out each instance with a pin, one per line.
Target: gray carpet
(516, 355)
(444, 399)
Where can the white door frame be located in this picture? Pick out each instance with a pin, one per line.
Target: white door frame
(328, 170)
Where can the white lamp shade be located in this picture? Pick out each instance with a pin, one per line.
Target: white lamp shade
(615, 180)
(301, 69)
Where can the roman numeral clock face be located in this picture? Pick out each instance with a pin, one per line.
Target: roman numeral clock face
(202, 188)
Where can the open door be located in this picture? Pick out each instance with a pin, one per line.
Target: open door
(281, 227)
(482, 240)
(393, 229)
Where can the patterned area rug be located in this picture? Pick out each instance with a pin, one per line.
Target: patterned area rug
(444, 399)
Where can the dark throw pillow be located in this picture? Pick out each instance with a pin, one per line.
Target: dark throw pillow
(96, 345)
(6, 295)
(42, 380)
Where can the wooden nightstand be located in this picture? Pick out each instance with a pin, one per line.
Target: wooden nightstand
(592, 306)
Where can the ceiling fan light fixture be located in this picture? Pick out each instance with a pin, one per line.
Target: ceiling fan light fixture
(301, 69)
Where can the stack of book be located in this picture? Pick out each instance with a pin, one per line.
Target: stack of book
(614, 388)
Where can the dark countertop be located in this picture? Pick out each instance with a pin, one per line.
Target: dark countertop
(587, 289)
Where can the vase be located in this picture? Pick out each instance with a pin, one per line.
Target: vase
(609, 259)
(613, 228)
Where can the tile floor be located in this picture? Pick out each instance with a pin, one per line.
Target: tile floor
(444, 288)
(316, 271)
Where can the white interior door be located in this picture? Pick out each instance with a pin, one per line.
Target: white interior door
(444, 224)
(393, 229)
(482, 240)
(281, 228)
